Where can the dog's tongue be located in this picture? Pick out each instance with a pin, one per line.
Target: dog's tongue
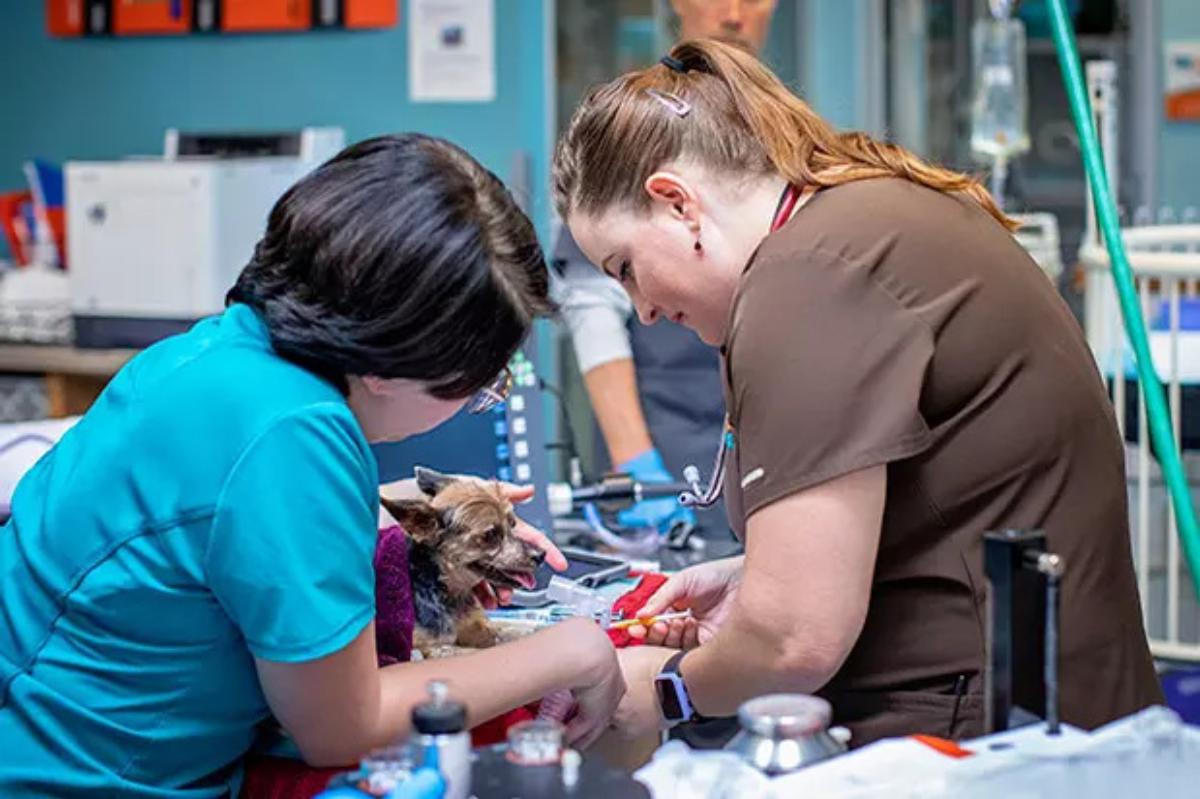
(527, 580)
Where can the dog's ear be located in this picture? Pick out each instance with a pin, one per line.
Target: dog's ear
(429, 481)
(418, 518)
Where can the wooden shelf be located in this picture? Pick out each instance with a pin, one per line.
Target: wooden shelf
(34, 358)
(74, 377)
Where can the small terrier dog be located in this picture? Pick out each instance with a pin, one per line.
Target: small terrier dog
(460, 537)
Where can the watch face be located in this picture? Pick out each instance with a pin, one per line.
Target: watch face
(668, 699)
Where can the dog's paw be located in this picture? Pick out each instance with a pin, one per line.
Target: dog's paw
(476, 632)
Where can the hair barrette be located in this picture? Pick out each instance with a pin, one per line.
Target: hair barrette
(674, 64)
(676, 104)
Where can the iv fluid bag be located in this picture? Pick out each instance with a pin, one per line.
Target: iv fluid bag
(1000, 111)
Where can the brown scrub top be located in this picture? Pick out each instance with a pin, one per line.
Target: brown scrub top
(888, 323)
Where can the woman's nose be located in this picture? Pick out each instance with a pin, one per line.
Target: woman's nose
(646, 312)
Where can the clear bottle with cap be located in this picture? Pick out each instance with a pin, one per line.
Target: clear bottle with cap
(782, 733)
(440, 736)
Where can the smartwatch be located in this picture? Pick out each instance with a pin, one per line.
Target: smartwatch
(673, 697)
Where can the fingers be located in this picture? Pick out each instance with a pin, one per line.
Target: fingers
(691, 635)
(582, 731)
(672, 590)
(535, 537)
(655, 634)
(504, 596)
(529, 534)
(517, 494)
(674, 634)
(589, 722)
(677, 633)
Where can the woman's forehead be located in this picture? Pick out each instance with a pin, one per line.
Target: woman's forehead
(594, 233)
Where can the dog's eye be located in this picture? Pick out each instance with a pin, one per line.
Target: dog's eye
(512, 520)
(493, 535)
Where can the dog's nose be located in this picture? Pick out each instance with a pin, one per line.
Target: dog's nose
(537, 554)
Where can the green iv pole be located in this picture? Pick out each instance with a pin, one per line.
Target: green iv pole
(1157, 415)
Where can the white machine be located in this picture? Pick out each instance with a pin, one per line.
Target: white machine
(155, 244)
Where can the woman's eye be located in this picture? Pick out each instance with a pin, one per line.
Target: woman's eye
(625, 271)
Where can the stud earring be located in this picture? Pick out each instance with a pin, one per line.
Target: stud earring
(697, 246)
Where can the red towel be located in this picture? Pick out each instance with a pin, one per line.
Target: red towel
(282, 778)
(630, 603)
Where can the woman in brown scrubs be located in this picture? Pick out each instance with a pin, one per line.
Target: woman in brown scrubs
(900, 378)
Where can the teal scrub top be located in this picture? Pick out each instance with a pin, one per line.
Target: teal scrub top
(216, 504)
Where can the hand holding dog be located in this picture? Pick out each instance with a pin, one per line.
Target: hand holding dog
(600, 688)
(490, 596)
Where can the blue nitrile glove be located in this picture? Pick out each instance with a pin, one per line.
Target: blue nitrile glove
(662, 513)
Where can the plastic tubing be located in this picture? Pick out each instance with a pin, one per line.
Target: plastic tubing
(1157, 416)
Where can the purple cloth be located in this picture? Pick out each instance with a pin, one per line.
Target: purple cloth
(394, 613)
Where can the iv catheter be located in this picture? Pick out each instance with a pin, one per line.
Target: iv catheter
(648, 620)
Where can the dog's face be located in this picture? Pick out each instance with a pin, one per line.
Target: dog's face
(470, 527)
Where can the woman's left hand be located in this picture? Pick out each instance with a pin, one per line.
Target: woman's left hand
(638, 714)
(530, 535)
(490, 596)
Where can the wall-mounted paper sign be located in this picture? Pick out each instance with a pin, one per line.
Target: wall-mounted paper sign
(451, 51)
(1183, 81)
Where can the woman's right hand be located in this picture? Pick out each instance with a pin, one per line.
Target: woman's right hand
(600, 685)
(707, 589)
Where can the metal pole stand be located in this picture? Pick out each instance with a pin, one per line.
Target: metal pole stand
(1021, 674)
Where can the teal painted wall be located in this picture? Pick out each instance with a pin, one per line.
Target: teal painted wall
(829, 60)
(781, 51)
(78, 98)
(1179, 142)
(100, 99)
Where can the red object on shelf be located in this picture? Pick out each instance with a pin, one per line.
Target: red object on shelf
(64, 17)
(1183, 106)
(152, 17)
(57, 217)
(11, 205)
(370, 13)
(157, 17)
(248, 16)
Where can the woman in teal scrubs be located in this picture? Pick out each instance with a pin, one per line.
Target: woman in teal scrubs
(196, 554)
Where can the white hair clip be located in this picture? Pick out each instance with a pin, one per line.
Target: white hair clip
(673, 102)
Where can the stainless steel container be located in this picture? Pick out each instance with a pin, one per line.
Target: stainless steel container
(786, 732)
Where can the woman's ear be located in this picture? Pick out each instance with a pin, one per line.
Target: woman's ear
(673, 194)
(375, 385)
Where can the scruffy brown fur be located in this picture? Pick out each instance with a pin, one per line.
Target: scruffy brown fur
(460, 536)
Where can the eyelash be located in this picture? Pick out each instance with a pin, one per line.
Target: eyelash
(624, 271)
